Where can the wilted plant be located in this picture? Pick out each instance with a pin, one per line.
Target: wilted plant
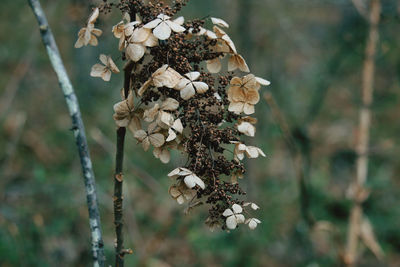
(176, 97)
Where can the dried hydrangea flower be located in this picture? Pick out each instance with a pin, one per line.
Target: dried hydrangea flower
(251, 152)
(87, 35)
(234, 216)
(243, 94)
(245, 125)
(190, 179)
(188, 86)
(164, 118)
(104, 71)
(151, 137)
(141, 39)
(181, 193)
(162, 27)
(164, 76)
(123, 30)
(252, 223)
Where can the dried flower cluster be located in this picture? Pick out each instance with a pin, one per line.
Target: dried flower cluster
(178, 99)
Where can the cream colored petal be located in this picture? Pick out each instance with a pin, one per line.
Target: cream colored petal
(166, 118)
(184, 171)
(93, 41)
(231, 222)
(80, 42)
(252, 97)
(246, 128)
(171, 135)
(146, 144)
(140, 135)
(175, 26)
(240, 218)
(180, 20)
(97, 70)
(93, 17)
(97, 32)
(135, 51)
(103, 59)
(187, 92)
(182, 84)
(152, 24)
(151, 113)
(174, 173)
(201, 87)
(219, 22)
(252, 224)
(248, 109)
(157, 139)
(152, 41)
(237, 208)
(214, 65)
(134, 124)
(252, 152)
(111, 65)
(229, 43)
(144, 87)
(262, 81)
(178, 126)
(192, 76)
(242, 64)
(236, 107)
(192, 180)
(140, 35)
(106, 75)
(170, 104)
(162, 31)
(227, 213)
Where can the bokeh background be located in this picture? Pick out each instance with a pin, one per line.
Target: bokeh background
(312, 51)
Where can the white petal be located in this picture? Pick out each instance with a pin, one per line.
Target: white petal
(103, 59)
(174, 173)
(231, 222)
(171, 135)
(170, 104)
(178, 126)
(152, 24)
(252, 152)
(151, 41)
(175, 26)
(192, 76)
(236, 107)
(192, 180)
(157, 139)
(162, 31)
(201, 87)
(262, 81)
(214, 65)
(254, 206)
(180, 20)
(140, 35)
(135, 51)
(237, 208)
(97, 70)
(219, 22)
(227, 212)
(261, 152)
(240, 218)
(248, 109)
(188, 92)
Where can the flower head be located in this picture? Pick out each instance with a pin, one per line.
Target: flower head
(87, 35)
(162, 27)
(104, 71)
(234, 216)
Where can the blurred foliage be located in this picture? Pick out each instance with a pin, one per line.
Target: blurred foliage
(312, 51)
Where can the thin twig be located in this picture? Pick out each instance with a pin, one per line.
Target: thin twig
(356, 216)
(296, 157)
(78, 131)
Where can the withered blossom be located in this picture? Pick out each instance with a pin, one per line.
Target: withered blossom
(87, 35)
(104, 71)
(181, 107)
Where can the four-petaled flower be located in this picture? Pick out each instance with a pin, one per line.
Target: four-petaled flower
(252, 223)
(164, 76)
(181, 193)
(137, 43)
(164, 118)
(188, 86)
(162, 27)
(251, 152)
(87, 35)
(234, 216)
(152, 136)
(104, 71)
(191, 179)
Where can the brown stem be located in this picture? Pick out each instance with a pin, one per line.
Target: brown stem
(362, 144)
(119, 179)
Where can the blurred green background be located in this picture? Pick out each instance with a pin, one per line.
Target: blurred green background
(312, 51)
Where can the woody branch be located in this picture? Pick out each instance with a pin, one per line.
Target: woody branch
(362, 144)
(78, 130)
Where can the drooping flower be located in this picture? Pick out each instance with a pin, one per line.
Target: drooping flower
(87, 35)
(152, 136)
(181, 193)
(250, 151)
(162, 27)
(234, 216)
(188, 86)
(191, 179)
(243, 94)
(164, 118)
(104, 71)
(252, 223)
(245, 126)
(164, 76)
(123, 30)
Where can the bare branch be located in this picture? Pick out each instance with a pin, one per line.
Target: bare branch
(356, 217)
(78, 130)
(361, 7)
